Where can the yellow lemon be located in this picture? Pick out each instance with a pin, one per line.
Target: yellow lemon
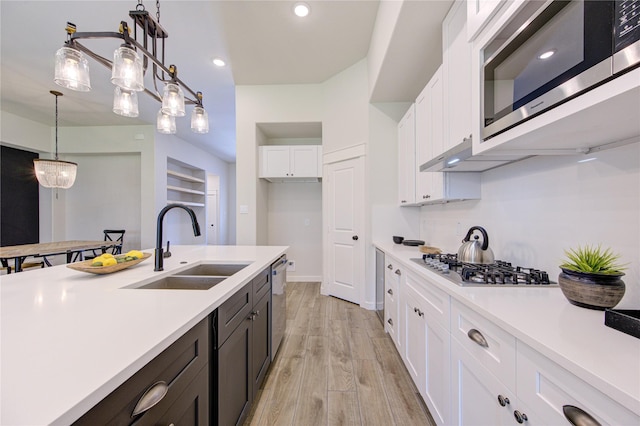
(106, 255)
(135, 253)
(110, 261)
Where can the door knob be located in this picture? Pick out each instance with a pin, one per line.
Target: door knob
(354, 238)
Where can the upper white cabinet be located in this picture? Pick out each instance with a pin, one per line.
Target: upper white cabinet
(406, 158)
(290, 161)
(456, 77)
(479, 12)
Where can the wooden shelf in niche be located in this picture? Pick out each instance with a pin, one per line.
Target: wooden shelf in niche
(185, 184)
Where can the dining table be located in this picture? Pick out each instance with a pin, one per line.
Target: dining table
(72, 249)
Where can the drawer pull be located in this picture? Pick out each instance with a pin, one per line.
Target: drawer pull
(389, 266)
(578, 417)
(390, 321)
(503, 400)
(390, 292)
(398, 272)
(477, 337)
(150, 397)
(520, 417)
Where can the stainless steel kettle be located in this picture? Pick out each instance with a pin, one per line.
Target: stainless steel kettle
(474, 251)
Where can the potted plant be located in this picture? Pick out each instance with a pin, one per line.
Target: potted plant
(591, 277)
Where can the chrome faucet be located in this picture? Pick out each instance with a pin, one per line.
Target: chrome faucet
(159, 252)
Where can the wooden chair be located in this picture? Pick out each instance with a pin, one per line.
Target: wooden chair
(116, 235)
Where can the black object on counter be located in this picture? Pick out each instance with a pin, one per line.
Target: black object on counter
(397, 239)
(413, 242)
(626, 321)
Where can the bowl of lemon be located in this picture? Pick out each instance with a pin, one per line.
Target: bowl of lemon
(108, 263)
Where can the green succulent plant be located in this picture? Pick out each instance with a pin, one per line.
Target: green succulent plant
(594, 260)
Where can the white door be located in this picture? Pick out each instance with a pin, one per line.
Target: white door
(345, 219)
(212, 218)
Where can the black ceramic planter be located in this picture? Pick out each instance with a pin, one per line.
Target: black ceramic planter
(592, 291)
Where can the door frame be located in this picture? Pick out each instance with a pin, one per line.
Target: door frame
(329, 158)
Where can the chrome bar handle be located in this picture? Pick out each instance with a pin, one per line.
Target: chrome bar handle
(150, 397)
(477, 337)
(578, 417)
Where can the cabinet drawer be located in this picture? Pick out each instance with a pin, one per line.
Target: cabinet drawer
(177, 366)
(498, 351)
(436, 302)
(391, 317)
(261, 284)
(232, 312)
(547, 388)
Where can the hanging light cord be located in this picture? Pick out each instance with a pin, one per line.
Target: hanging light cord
(56, 95)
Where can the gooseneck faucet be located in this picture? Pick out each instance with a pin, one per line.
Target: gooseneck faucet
(159, 252)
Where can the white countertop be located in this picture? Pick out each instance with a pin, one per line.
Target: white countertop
(69, 338)
(573, 337)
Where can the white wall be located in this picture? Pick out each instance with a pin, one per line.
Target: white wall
(231, 204)
(535, 209)
(295, 219)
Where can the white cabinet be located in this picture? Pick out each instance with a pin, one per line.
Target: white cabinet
(406, 158)
(426, 342)
(393, 281)
(550, 390)
(456, 76)
(290, 161)
(479, 12)
(185, 184)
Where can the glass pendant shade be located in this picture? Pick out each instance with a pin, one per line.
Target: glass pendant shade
(173, 100)
(72, 70)
(126, 71)
(125, 102)
(166, 123)
(55, 173)
(199, 120)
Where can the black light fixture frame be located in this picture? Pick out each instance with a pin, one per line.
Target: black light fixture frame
(152, 33)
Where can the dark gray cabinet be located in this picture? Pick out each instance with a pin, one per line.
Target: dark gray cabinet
(182, 370)
(243, 353)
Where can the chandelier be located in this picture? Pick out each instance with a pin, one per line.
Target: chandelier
(55, 173)
(130, 62)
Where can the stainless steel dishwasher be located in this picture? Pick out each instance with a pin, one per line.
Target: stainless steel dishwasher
(278, 302)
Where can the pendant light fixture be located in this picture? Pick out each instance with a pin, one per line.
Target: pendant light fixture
(166, 124)
(130, 62)
(55, 173)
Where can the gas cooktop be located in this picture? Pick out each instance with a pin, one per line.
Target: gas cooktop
(497, 274)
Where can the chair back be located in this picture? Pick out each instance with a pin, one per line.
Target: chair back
(115, 235)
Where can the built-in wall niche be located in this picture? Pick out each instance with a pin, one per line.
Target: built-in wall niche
(290, 152)
(185, 184)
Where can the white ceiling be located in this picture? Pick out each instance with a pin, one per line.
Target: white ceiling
(262, 42)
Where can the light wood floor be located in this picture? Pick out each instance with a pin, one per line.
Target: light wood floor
(336, 366)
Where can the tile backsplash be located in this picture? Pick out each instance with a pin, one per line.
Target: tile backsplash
(536, 208)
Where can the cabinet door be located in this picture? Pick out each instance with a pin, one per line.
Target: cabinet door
(406, 158)
(438, 368)
(260, 340)
(456, 74)
(394, 282)
(303, 161)
(476, 391)
(415, 336)
(479, 12)
(429, 137)
(274, 161)
(234, 394)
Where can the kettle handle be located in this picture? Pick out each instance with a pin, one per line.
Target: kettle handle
(485, 237)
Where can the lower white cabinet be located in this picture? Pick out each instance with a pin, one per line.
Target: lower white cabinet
(426, 343)
(562, 398)
(391, 301)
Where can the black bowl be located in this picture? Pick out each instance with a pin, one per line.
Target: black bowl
(398, 240)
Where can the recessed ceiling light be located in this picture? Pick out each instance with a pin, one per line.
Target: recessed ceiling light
(301, 9)
(547, 54)
(219, 62)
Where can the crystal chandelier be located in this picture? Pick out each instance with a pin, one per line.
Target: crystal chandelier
(55, 173)
(129, 65)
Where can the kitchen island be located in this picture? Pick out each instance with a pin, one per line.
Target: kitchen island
(69, 339)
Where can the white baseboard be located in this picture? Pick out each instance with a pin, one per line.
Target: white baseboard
(303, 278)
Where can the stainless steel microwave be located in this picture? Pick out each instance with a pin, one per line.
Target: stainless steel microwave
(554, 51)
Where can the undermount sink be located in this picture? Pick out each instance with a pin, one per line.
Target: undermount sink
(199, 277)
(213, 269)
(174, 282)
